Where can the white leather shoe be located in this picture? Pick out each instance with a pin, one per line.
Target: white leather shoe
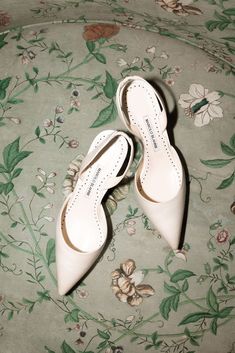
(160, 178)
(81, 225)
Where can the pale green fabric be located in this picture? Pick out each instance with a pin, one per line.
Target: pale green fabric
(60, 63)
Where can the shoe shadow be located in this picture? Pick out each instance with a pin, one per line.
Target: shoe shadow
(172, 115)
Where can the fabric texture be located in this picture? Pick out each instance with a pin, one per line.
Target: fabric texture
(60, 64)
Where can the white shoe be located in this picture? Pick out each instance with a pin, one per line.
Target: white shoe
(82, 225)
(160, 178)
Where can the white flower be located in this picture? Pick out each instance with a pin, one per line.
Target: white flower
(135, 60)
(49, 219)
(40, 178)
(164, 55)
(170, 82)
(59, 109)
(50, 190)
(40, 170)
(49, 205)
(47, 123)
(15, 120)
(201, 105)
(121, 62)
(51, 175)
(151, 50)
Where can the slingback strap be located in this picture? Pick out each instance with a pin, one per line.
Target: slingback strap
(91, 157)
(161, 116)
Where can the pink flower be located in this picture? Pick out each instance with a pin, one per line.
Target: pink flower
(73, 143)
(74, 103)
(222, 236)
(5, 19)
(25, 60)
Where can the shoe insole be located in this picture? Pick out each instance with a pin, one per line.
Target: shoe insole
(160, 176)
(85, 220)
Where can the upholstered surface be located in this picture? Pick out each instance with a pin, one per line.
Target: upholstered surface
(60, 64)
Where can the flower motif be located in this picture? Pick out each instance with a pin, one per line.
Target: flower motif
(82, 293)
(47, 123)
(222, 236)
(59, 109)
(201, 105)
(151, 50)
(5, 19)
(126, 284)
(74, 102)
(121, 62)
(232, 207)
(25, 60)
(170, 82)
(129, 225)
(73, 143)
(118, 194)
(179, 7)
(164, 55)
(16, 121)
(100, 30)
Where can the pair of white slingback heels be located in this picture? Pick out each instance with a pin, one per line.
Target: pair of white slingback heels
(159, 182)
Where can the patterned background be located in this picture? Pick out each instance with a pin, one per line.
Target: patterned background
(61, 62)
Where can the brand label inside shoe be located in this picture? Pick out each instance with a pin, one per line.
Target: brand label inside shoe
(151, 132)
(93, 181)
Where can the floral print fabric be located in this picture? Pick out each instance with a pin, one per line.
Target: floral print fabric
(58, 80)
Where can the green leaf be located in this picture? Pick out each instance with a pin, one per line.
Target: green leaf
(3, 254)
(100, 57)
(175, 301)
(216, 163)
(72, 316)
(34, 189)
(211, 300)
(14, 224)
(165, 307)
(230, 39)
(10, 314)
(232, 141)
(50, 251)
(149, 346)
(15, 101)
(213, 326)
(37, 131)
(90, 46)
(18, 158)
(48, 350)
(207, 268)
(3, 86)
(10, 151)
(2, 169)
(66, 348)
(227, 182)
(2, 41)
(225, 312)
(106, 115)
(110, 86)
(43, 295)
(12, 156)
(8, 187)
(104, 335)
(230, 11)
(227, 150)
(185, 286)
(154, 337)
(180, 275)
(42, 140)
(16, 173)
(35, 69)
(195, 317)
(171, 289)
